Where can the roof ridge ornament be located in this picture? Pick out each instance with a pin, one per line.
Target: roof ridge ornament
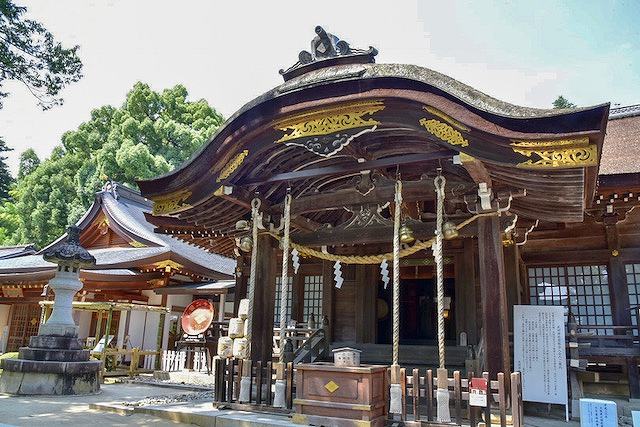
(326, 46)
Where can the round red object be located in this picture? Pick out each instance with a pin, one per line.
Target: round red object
(197, 317)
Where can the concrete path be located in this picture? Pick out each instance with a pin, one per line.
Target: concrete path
(75, 411)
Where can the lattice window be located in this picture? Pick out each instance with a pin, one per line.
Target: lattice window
(582, 289)
(633, 286)
(312, 298)
(276, 311)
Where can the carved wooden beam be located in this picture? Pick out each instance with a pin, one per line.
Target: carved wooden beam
(412, 191)
(387, 162)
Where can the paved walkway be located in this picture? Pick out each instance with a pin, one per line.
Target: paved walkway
(75, 411)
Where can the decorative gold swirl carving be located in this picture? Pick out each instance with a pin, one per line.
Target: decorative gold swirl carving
(446, 118)
(232, 165)
(329, 120)
(137, 244)
(171, 203)
(444, 132)
(573, 157)
(579, 142)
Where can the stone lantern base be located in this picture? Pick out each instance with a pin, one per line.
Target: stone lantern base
(51, 365)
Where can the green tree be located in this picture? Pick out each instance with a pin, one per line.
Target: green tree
(29, 161)
(562, 102)
(150, 134)
(6, 180)
(30, 55)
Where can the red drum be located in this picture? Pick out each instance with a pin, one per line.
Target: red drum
(197, 317)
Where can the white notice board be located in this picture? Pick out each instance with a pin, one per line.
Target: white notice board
(539, 352)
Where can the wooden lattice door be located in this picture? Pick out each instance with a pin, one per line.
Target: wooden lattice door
(25, 320)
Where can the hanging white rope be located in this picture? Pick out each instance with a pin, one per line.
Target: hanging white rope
(396, 272)
(442, 393)
(256, 218)
(395, 389)
(439, 183)
(284, 279)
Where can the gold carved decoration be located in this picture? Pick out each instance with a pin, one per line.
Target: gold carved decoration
(232, 165)
(446, 118)
(331, 386)
(167, 266)
(562, 153)
(329, 120)
(444, 132)
(136, 244)
(171, 203)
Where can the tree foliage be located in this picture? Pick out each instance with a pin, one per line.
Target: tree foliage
(30, 55)
(6, 180)
(152, 133)
(562, 102)
(29, 161)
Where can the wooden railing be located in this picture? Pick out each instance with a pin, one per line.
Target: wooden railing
(418, 394)
(419, 401)
(148, 361)
(297, 337)
(314, 348)
(173, 361)
(228, 373)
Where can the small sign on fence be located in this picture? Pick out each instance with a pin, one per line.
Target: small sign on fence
(598, 413)
(478, 392)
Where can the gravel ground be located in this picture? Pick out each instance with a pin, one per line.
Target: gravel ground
(171, 399)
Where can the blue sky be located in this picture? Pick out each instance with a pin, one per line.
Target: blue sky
(228, 52)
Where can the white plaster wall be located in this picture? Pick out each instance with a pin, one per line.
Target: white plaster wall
(5, 310)
(83, 319)
(121, 325)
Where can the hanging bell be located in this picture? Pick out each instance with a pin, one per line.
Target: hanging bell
(449, 231)
(246, 243)
(406, 234)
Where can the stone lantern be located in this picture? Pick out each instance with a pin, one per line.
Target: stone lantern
(55, 362)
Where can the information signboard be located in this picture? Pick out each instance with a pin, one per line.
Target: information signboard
(540, 353)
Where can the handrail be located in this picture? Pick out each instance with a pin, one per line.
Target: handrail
(311, 349)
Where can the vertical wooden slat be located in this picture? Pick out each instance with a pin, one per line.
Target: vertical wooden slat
(429, 390)
(269, 378)
(236, 393)
(502, 393)
(219, 380)
(487, 410)
(403, 387)
(259, 376)
(516, 400)
(473, 422)
(415, 391)
(289, 392)
(230, 363)
(457, 396)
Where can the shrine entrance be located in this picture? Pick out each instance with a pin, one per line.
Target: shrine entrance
(418, 312)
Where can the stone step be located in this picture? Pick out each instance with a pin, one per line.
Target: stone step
(55, 355)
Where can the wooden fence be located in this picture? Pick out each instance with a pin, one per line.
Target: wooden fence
(419, 401)
(418, 394)
(228, 373)
(173, 361)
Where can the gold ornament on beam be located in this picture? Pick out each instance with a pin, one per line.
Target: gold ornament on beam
(329, 120)
(449, 231)
(171, 203)
(444, 132)
(560, 154)
(234, 164)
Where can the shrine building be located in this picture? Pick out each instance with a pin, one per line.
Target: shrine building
(134, 265)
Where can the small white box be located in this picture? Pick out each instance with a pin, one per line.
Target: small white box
(346, 357)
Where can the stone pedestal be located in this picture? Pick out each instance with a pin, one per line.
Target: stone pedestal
(55, 363)
(51, 365)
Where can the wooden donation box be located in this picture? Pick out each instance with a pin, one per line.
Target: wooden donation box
(329, 395)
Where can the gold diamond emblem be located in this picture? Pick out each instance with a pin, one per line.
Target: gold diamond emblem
(331, 386)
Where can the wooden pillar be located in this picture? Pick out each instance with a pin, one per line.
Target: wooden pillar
(365, 310)
(512, 278)
(297, 295)
(242, 282)
(328, 297)
(620, 296)
(465, 271)
(264, 299)
(223, 300)
(494, 296)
